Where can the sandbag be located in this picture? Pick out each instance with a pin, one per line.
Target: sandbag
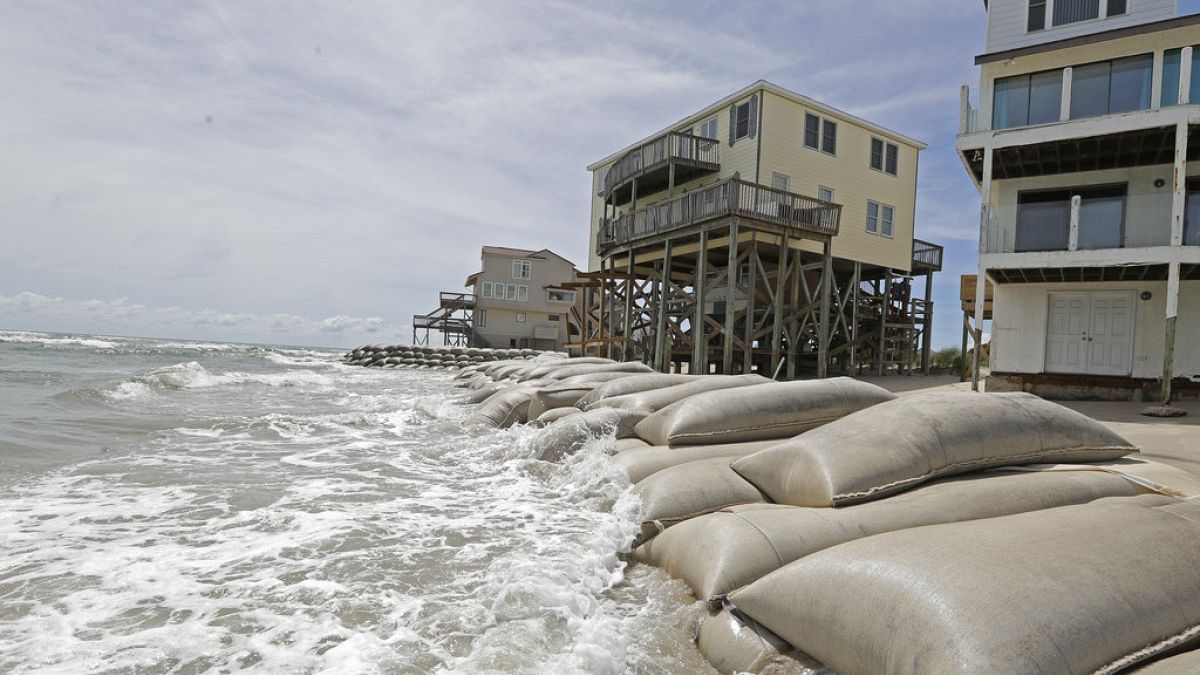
(682, 492)
(632, 385)
(551, 416)
(643, 461)
(542, 369)
(557, 396)
(657, 399)
(597, 378)
(622, 444)
(719, 552)
(769, 410)
(735, 644)
(1094, 588)
(894, 446)
(567, 435)
(575, 370)
(504, 409)
(486, 391)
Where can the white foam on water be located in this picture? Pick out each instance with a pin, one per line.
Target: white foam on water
(376, 534)
(49, 340)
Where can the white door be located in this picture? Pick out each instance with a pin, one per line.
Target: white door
(1066, 333)
(1110, 338)
(1090, 333)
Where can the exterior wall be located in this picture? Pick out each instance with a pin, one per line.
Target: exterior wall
(1020, 314)
(1153, 43)
(849, 175)
(502, 326)
(778, 147)
(1147, 208)
(1007, 21)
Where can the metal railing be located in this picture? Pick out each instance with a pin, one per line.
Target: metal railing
(927, 254)
(658, 152)
(730, 197)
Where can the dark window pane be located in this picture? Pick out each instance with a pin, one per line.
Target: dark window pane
(812, 130)
(1037, 15)
(1170, 77)
(892, 159)
(829, 137)
(1130, 88)
(1100, 222)
(1043, 221)
(1194, 91)
(1191, 222)
(1045, 97)
(876, 154)
(1010, 102)
(1070, 11)
(741, 127)
(1116, 7)
(1089, 90)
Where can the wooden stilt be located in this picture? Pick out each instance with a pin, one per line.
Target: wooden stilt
(731, 279)
(699, 323)
(824, 329)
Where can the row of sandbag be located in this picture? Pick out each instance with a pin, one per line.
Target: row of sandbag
(921, 462)
(417, 356)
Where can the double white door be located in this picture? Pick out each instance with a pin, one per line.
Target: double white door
(1090, 333)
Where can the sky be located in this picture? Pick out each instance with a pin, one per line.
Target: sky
(316, 172)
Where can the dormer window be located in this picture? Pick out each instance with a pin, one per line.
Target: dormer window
(1037, 15)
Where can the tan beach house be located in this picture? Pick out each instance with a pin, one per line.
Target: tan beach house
(521, 298)
(1081, 143)
(764, 227)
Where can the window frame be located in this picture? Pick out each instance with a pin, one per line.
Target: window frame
(880, 219)
(1040, 6)
(550, 295)
(1078, 81)
(827, 139)
(521, 317)
(889, 156)
(812, 126)
(712, 120)
(522, 293)
(485, 290)
(481, 318)
(522, 269)
(737, 121)
(787, 181)
(826, 189)
(870, 218)
(1054, 22)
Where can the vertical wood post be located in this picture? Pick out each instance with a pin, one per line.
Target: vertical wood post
(855, 282)
(1178, 203)
(627, 344)
(927, 329)
(699, 324)
(793, 351)
(883, 319)
(962, 375)
(781, 272)
(731, 277)
(751, 304)
(985, 212)
(662, 356)
(824, 329)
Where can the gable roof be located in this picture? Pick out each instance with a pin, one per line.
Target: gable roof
(778, 91)
(510, 252)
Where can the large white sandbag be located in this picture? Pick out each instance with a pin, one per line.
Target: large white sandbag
(505, 408)
(567, 435)
(735, 644)
(1094, 588)
(639, 462)
(632, 385)
(682, 492)
(597, 378)
(539, 370)
(656, 399)
(760, 411)
(486, 391)
(894, 446)
(719, 552)
(575, 370)
(557, 396)
(551, 416)
(632, 443)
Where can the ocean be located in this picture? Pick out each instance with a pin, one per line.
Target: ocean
(193, 507)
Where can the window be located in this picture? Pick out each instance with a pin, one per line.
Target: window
(824, 194)
(510, 291)
(552, 317)
(521, 269)
(1071, 11)
(522, 293)
(521, 317)
(741, 121)
(1037, 15)
(1170, 78)
(1116, 7)
(780, 181)
(1111, 86)
(880, 219)
(884, 156)
(601, 178)
(1027, 99)
(481, 318)
(555, 295)
(708, 128)
(829, 137)
(812, 131)
(487, 290)
(1044, 218)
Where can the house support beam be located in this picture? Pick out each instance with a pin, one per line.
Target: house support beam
(731, 279)
(699, 364)
(751, 293)
(825, 333)
(1178, 204)
(927, 327)
(985, 212)
(662, 359)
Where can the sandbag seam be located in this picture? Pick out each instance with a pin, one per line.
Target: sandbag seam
(1148, 651)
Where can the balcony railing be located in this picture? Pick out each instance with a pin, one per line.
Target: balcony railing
(731, 197)
(926, 255)
(658, 153)
(450, 300)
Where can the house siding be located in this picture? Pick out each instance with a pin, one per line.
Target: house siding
(1007, 21)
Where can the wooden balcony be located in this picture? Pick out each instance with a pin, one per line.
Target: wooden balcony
(456, 301)
(926, 257)
(651, 163)
(731, 197)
